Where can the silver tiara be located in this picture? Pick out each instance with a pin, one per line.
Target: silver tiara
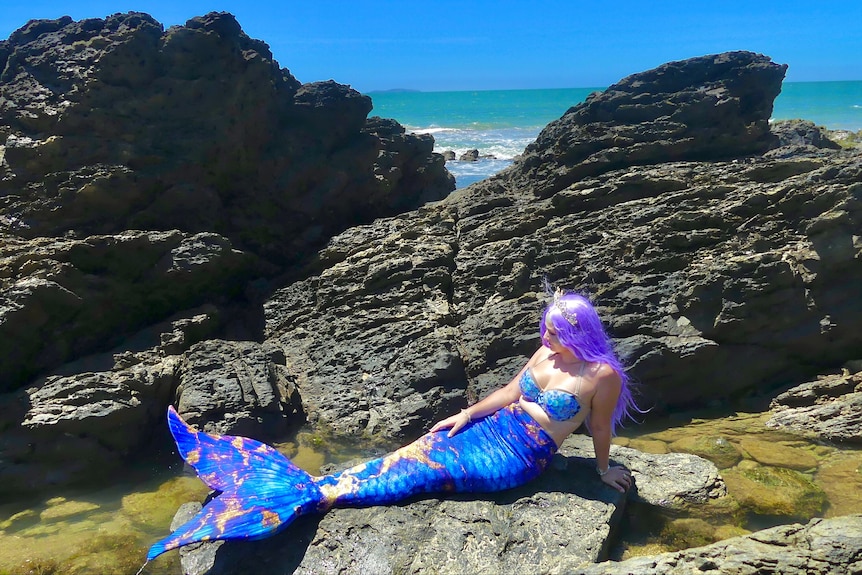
(570, 316)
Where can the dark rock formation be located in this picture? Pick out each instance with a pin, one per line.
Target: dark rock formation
(372, 339)
(696, 267)
(802, 133)
(236, 388)
(708, 108)
(65, 298)
(85, 419)
(116, 124)
(469, 156)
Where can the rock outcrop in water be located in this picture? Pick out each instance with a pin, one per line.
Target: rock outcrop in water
(725, 257)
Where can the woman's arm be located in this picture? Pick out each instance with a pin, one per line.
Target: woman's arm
(500, 398)
(602, 411)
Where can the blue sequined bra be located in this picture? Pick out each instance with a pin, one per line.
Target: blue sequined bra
(560, 405)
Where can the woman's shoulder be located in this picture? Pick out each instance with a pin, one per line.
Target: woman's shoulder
(605, 371)
(607, 380)
(539, 356)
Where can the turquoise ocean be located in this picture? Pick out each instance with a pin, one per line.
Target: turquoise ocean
(501, 123)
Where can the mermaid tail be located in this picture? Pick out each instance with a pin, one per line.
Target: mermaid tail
(263, 492)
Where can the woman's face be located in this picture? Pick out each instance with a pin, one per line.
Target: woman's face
(551, 336)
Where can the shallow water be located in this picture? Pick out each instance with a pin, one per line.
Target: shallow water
(772, 478)
(108, 529)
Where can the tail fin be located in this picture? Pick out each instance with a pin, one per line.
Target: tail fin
(262, 491)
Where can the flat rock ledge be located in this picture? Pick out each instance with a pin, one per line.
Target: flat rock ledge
(556, 524)
(827, 409)
(822, 546)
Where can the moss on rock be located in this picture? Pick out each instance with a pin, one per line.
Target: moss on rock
(775, 491)
(778, 454)
(713, 447)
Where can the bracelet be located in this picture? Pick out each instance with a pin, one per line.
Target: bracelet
(469, 417)
(602, 473)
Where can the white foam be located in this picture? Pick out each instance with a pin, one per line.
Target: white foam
(435, 130)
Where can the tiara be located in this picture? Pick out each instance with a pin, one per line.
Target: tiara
(570, 316)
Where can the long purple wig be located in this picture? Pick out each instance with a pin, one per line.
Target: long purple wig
(589, 341)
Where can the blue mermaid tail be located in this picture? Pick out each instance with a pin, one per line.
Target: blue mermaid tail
(262, 492)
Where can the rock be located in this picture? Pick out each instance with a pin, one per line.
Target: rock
(556, 523)
(820, 546)
(697, 265)
(709, 108)
(91, 416)
(449, 155)
(115, 409)
(829, 408)
(194, 128)
(671, 480)
(61, 299)
(469, 156)
(846, 138)
(802, 133)
(237, 388)
(372, 341)
(406, 162)
(717, 449)
(778, 455)
(775, 491)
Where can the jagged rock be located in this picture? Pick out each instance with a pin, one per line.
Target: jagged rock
(117, 124)
(406, 162)
(237, 388)
(372, 340)
(802, 133)
(670, 480)
(89, 416)
(829, 408)
(61, 299)
(698, 266)
(556, 523)
(820, 546)
(469, 156)
(709, 108)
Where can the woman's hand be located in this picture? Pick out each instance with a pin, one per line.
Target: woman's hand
(453, 423)
(619, 478)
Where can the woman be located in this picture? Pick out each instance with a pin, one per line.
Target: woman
(574, 377)
(500, 442)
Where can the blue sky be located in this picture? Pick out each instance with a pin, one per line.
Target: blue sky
(480, 44)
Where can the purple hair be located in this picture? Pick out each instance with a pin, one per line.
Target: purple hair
(589, 342)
